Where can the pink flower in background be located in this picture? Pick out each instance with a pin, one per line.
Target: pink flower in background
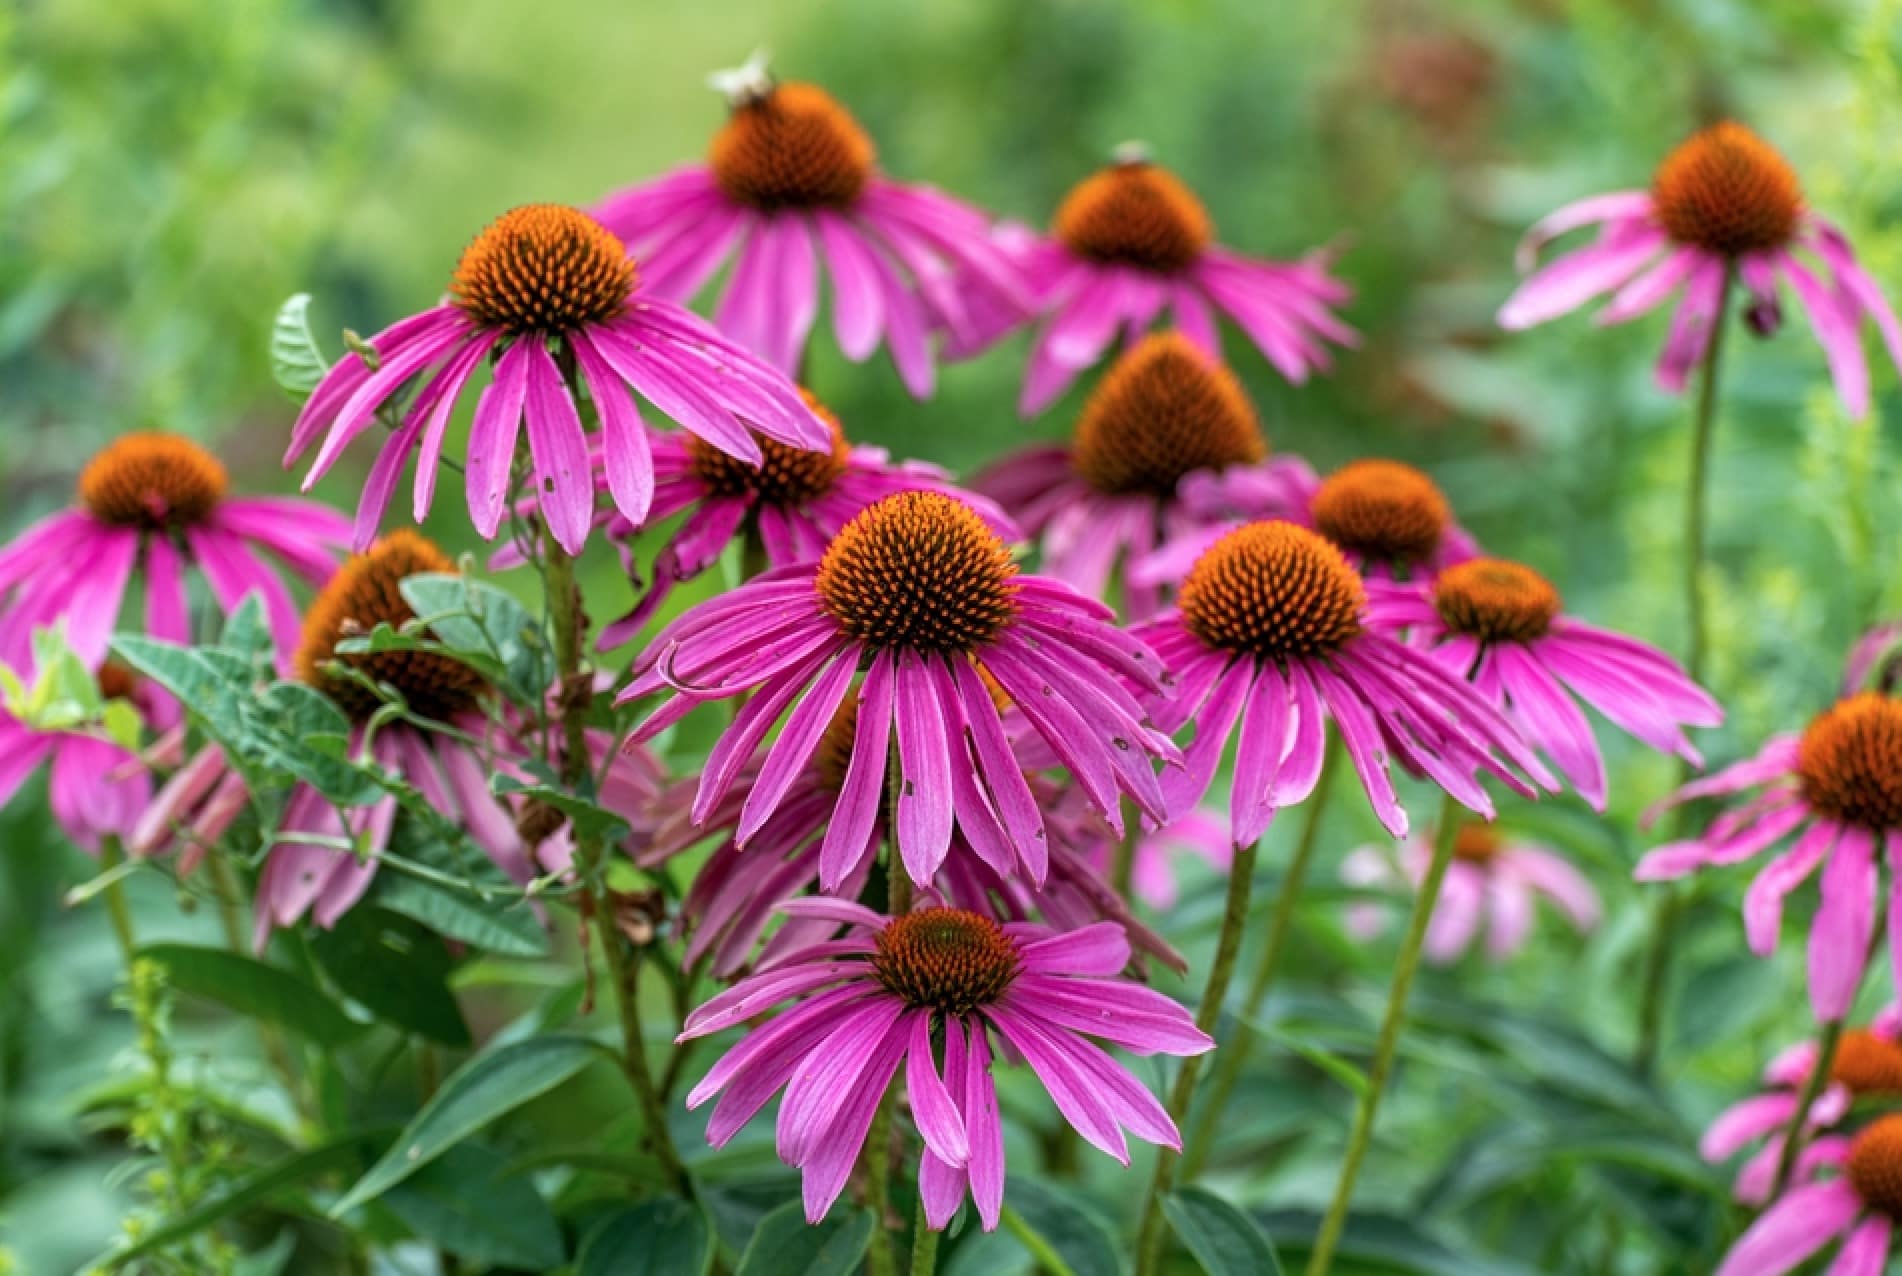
(1723, 203)
(920, 594)
(1388, 518)
(152, 505)
(1492, 884)
(1867, 1065)
(1131, 241)
(1269, 641)
(96, 786)
(790, 190)
(1499, 624)
(1152, 870)
(1165, 415)
(539, 276)
(1850, 1191)
(1837, 789)
(926, 991)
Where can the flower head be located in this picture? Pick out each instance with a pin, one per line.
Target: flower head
(1867, 1065)
(924, 598)
(1849, 1189)
(927, 991)
(1132, 240)
(96, 785)
(790, 190)
(1724, 204)
(1837, 790)
(1493, 881)
(1165, 416)
(153, 504)
(1270, 639)
(1500, 624)
(548, 295)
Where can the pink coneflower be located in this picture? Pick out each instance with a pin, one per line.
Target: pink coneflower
(1499, 624)
(791, 505)
(936, 983)
(306, 872)
(1859, 1204)
(1388, 518)
(1867, 1064)
(1130, 241)
(544, 288)
(154, 504)
(96, 787)
(1722, 202)
(1269, 640)
(1838, 788)
(1492, 883)
(924, 597)
(791, 186)
(1164, 415)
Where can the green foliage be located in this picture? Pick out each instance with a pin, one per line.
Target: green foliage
(1223, 1239)
(655, 1238)
(785, 1245)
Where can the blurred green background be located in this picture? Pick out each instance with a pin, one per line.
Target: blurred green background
(170, 170)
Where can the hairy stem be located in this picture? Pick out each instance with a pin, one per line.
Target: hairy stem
(1241, 877)
(1387, 1043)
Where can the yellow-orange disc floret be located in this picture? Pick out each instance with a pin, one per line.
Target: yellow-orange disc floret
(362, 595)
(1494, 600)
(1383, 511)
(1273, 590)
(793, 146)
(1728, 191)
(1850, 761)
(919, 570)
(1134, 214)
(1875, 1165)
(1164, 410)
(543, 268)
(786, 475)
(945, 959)
(1867, 1064)
(152, 481)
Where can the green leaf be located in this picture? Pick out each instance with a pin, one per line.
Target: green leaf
(479, 619)
(491, 1084)
(466, 1204)
(510, 929)
(1385, 1242)
(296, 363)
(1086, 1244)
(396, 968)
(591, 820)
(247, 633)
(665, 1237)
(257, 990)
(785, 1245)
(385, 638)
(344, 1151)
(1222, 1238)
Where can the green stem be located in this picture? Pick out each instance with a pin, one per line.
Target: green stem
(224, 885)
(1241, 878)
(1123, 863)
(111, 855)
(1387, 1044)
(1233, 1057)
(924, 1245)
(1665, 910)
(1812, 1089)
(883, 1255)
(563, 599)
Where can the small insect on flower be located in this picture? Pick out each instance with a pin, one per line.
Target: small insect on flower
(790, 169)
(1165, 415)
(1850, 1190)
(1493, 882)
(923, 597)
(547, 293)
(1269, 641)
(1723, 205)
(1131, 241)
(1867, 1066)
(927, 990)
(1500, 625)
(153, 504)
(1837, 788)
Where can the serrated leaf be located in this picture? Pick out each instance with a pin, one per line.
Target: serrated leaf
(465, 1203)
(256, 989)
(493, 1083)
(786, 1245)
(397, 969)
(296, 363)
(665, 1237)
(1222, 1238)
